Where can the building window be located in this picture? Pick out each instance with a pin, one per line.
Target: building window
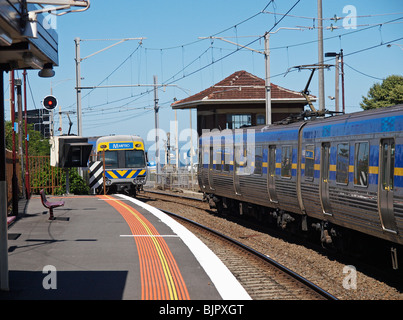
(236, 121)
(260, 119)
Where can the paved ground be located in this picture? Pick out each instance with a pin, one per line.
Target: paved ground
(96, 254)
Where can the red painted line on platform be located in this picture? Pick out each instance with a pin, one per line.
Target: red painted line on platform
(161, 278)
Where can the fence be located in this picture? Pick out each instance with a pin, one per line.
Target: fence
(181, 179)
(43, 176)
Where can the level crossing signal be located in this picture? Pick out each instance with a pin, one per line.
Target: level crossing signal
(50, 102)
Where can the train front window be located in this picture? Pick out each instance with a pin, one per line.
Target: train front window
(134, 158)
(111, 159)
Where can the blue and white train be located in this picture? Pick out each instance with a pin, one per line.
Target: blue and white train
(333, 174)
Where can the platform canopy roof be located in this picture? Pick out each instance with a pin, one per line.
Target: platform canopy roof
(25, 44)
(239, 88)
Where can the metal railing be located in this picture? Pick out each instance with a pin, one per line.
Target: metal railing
(44, 176)
(181, 179)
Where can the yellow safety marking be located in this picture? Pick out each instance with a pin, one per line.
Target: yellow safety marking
(112, 174)
(131, 174)
(398, 171)
(121, 172)
(373, 170)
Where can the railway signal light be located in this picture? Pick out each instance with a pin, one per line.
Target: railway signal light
(50, 102)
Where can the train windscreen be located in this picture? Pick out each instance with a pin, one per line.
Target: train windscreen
(134, 159)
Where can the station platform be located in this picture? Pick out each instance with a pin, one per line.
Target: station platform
(111, 247)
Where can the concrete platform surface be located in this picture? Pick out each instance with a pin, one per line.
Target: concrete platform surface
(111, 247)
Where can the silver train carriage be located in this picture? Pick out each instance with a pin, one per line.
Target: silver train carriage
(343, 171)
(125, 163)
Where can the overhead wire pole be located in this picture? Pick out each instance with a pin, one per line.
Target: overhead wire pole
(156, 118)
(4, 283)
(320, 59)
(155, 85)
(78, 71)
(78, 85)
(267, 77)
(266, 54)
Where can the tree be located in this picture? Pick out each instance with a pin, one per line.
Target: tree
(388, 93)
(37, 146)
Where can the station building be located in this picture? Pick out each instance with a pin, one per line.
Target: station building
(240, 99)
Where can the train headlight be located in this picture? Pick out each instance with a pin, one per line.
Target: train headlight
(139, 180)
(108, 182)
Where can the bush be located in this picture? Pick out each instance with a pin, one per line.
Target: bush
(77, 185)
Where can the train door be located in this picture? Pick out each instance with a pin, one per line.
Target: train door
(324, 178)
(271, 174)
(386, 185)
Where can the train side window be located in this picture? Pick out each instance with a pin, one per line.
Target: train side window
(218, 160)
(361, 164)
(309, 161)
(211, 157)
(258, 161)
(286, 161)
(342, 163)
(272, 161)
(227, 159)
(206, 154)
(237, 158)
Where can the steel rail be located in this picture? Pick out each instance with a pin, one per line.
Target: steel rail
(265, 258)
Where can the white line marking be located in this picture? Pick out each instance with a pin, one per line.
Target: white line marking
(113, 199)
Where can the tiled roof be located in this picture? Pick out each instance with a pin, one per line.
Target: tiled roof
(241, 85)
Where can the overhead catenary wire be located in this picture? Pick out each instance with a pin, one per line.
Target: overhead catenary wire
(174, 47)
(184, 67)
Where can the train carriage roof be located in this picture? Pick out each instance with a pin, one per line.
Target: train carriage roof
(386, 119)
(119, 138)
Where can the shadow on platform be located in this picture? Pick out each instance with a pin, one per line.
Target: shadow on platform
(70, 285)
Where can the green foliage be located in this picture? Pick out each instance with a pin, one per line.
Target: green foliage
(388, 93)
(37, 144)
(77, 183)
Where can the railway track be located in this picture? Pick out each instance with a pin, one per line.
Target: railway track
(261, 276)
(316, 265)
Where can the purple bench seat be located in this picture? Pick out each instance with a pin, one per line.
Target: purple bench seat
(50, 205)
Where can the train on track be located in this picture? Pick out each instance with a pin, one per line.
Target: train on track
(331, 174)
(125, 163)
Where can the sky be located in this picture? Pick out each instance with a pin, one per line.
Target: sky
(173, 51)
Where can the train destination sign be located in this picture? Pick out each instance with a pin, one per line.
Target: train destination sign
(120, 145)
